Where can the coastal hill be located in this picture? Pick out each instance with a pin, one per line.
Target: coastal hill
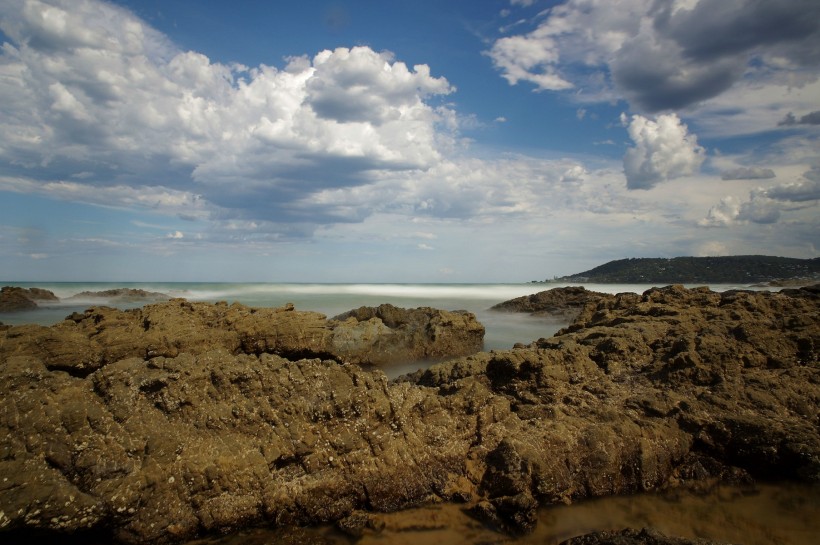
(679, 270)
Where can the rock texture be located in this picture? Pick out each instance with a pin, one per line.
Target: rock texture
(564, 303)
(14, 298)
(397, 334)
(182, 419)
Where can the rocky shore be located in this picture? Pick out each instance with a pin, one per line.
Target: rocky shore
(183, 419)
(14, 298)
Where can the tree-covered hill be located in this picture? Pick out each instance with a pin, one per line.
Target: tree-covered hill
(728, 269)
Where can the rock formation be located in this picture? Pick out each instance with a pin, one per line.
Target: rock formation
(564, 303)
(181, 419)
(13, 299)
(397, 334)
(122, 295)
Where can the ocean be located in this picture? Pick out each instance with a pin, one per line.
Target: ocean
(503, 330)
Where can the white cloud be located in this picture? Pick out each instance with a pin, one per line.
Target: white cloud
(668, 55)
(155, 198)
(663, 150)
(799, 200)
(90, 88)
(575, 173)
(722, 214)
(176, 235)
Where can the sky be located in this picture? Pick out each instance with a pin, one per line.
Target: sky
(402, 140)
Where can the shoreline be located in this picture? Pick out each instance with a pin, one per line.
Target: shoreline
(639, 393)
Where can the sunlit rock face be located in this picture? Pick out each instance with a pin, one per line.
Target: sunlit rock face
(181, 419)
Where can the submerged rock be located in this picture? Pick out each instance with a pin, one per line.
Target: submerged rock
(182, 419)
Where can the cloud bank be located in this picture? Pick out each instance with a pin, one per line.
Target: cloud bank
(351, 150)
(663, 55)
(91, 90)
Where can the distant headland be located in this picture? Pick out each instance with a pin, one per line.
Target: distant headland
(745, 269)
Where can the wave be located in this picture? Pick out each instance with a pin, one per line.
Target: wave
(413, 291)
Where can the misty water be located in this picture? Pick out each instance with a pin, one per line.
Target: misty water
(503, 330)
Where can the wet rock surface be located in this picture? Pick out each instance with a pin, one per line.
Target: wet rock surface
(182, 419)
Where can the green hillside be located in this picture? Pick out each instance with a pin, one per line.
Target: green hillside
(688, 270)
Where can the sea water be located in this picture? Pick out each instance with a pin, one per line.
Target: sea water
(503, 329)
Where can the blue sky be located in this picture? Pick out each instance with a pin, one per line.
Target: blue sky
(402, 141)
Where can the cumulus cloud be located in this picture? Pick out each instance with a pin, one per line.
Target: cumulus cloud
(89, 88)
(575, 173)
(759, 209)
(765, 205)
(663, 55)
(663, 150)
(748, 173)
(722, 214)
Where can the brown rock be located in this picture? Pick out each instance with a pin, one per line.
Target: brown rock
(200, 418)
(14, 299)
(387, 333)
(565, 303)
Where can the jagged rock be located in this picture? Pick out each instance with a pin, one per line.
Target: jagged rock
(101, 335)
(189, 418)
(565, 303)
(411, 334)
(14, 298)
